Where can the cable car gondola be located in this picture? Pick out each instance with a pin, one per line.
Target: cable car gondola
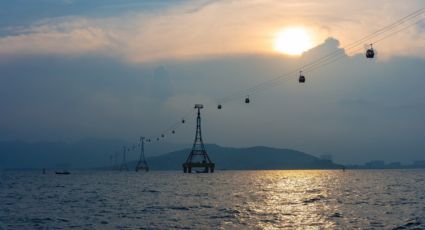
(162, 135)
(219, 107)
(301, 79)
(173, 132)
(370, 53)
(183, 121)
(247, 100)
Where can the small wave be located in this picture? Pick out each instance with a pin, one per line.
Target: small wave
(40, 220)
(414, 223)
(149, 208)
(336, 215)
(230, 211)
(314, 199)
(313, 190)
(224, 216)
(150, 191)
(178, 208)
(63, 220)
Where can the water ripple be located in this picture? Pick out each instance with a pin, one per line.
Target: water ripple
(378, 199)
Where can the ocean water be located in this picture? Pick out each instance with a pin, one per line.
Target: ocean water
(295, 199)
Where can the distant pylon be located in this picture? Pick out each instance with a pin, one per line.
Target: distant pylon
(142, 164)
(124, 160)
(198, 157)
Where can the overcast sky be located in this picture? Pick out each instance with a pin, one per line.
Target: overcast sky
(75, 69)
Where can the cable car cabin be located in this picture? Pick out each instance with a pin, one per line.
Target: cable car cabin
(370, 53)
(219, 107)
(173, 132)
(162, 135)
(247, 100)
(183, 120)
(301, 79)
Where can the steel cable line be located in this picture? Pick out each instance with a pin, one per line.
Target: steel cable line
(341, 55)
(266, 84)
(364, 39)
(352, 45)
(174, 125)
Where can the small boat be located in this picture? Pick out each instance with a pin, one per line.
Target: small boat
(62, 172)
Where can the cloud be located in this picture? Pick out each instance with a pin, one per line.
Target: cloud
(215, 28)
(70, 37)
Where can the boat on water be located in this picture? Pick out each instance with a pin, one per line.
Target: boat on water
(62, 172)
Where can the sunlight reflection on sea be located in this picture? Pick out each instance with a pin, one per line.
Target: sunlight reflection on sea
(293, 199)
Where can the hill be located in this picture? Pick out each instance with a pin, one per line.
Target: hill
(92, 153)
(83, 154)
(245, 159)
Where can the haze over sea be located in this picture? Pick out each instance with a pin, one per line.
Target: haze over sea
(292, 199)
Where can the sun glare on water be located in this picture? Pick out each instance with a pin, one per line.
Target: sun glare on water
(293, 41)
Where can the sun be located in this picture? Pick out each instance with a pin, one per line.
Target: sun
(293, 41)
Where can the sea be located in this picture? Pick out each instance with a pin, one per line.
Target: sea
(287, 199)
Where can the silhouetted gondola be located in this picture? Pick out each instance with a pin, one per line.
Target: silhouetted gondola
(247, 100)
(370, 53)
(301, 79)
(219, 107)
(173, 132)
(183, 121)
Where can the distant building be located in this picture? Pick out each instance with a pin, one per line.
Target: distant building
(394, 165)
(419, 164)
(375, 164)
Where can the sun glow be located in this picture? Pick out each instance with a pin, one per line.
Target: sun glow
(293, 41)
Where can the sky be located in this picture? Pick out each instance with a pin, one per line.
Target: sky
(74, 69)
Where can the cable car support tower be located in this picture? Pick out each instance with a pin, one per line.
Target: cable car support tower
(198, 151)
(142, 164)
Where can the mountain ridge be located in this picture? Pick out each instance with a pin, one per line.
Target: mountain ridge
(250, 158)
(97, 154)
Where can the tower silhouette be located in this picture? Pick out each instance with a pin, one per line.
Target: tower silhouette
(198, 157)
(142, 164)
(124, 160)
